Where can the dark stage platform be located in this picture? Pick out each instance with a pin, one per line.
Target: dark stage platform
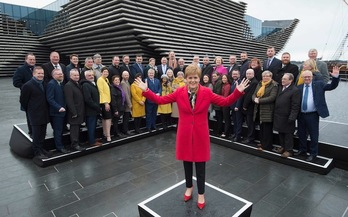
(170, 202)
(112, 182)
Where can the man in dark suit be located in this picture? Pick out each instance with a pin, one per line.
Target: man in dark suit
(76, 108)
(57, 111)
(313, 106)
(162, 69)
(272, 64)
(53, 64)
(33, 101)
(74, 64)
(233, 65)
(115, 68)
(126, 67)
(150, 107)
(286, 108)
(138, 67)
(248, 106)
(22, 75)
(287, 67)
(207, 68)
(236, 108)
(181, 67)
(244, 64)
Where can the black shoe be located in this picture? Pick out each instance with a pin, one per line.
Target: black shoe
(237, 139)
(41, 155)
(47, 153)
(311, 158)
(78, 148)
(300, 153)
(64, 151)
(128, 133)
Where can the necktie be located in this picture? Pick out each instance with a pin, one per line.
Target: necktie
(268, 63)
(141, 68)
(305, 98)
(56, 66)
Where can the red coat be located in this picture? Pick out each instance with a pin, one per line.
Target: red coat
(193, 142)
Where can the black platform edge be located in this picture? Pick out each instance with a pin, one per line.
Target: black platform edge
(145, 211)
(89, 150)
(291, 161)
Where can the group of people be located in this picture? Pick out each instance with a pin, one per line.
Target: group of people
(274, 95)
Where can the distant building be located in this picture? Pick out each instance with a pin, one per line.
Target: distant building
(122, 27)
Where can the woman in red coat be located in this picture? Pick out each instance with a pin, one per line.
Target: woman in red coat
(193, 143)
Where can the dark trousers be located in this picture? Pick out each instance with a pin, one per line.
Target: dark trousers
(137, 122)
(165, 118)
(237, 118)
(151, 115)
(219, 119)
(309, 122)
(286, 141)
(266, 135)
(227, 119)
(115, 126)
(38, 136)
(200, 174)
(58, 127)
(91, 123)
(74, 134)
(125, 121)
(251, 127)
(30, 131)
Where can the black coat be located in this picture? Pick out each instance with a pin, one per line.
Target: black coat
(117, 104)
(248, 103)
(33, 101)
(48, 68)
(207, 70)
(286, 109)
(74, 102)
(178, 69)
(290, 68)
(91, 97)
(113, 70)
(22, 75)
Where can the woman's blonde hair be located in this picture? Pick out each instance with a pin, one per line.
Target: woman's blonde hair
(193, 69)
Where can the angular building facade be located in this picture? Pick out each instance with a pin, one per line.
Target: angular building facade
(153, 28)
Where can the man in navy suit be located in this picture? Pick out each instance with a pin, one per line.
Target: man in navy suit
(150, 107)
(313, 106)
(272, 63)
(236, 108)
(57, 111)
(138, 67)
(33, 101)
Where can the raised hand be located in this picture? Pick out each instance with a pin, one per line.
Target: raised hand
(141, 84)
(335, 71)
(243, 85)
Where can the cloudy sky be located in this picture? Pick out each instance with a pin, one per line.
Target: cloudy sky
(323, 23)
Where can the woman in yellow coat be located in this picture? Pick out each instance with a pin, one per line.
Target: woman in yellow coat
(138, 104)
(179, 81)
(166, 109)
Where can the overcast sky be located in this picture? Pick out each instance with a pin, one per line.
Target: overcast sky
(323, 23)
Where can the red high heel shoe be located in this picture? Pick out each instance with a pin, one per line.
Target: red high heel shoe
(201, 205)
(187, 198)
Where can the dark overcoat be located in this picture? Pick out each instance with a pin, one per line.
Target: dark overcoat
(286, 109)
(74, 102)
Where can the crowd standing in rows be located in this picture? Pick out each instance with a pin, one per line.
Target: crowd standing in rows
(271, 93)
(76, 95)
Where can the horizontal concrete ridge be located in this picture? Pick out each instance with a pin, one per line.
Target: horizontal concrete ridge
(153, 28)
